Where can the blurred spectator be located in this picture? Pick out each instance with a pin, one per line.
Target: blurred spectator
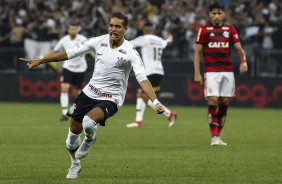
(45, 20)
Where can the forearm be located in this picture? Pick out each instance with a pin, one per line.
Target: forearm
(240, 51)
(54, 57)
(197, 58)
(197, 62)
(148, 89)
(241, 54)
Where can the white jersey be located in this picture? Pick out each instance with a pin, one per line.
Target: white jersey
(151, 49)
(77, 64)
(112, 68)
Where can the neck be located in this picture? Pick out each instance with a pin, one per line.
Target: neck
(72, 37)
(217, 25)
(116, 44)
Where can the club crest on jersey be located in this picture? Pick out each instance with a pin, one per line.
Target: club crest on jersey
(104, 44)
(122, 51)
(218, 44)
(120, 62)
(226, 34)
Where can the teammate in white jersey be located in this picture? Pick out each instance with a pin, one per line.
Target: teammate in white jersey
(73, 69)
(151, 49)
(105, 92)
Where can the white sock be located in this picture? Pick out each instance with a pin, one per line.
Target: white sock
(89, 126)
(140, 109)
(64, 99)
(73, 142)
(166, 110)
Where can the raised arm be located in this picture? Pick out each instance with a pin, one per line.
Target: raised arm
(83, 48)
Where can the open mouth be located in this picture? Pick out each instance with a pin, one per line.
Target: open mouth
(113, 35)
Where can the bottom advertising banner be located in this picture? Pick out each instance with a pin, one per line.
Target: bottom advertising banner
(250, 92)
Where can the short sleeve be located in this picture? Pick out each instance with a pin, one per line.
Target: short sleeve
(139, 41)
(137, 63)
(201, 36)
(234, 35)
(59, 46)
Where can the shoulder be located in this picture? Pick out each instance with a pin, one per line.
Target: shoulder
(128, 48)
(227, 26)
(127, 45)
(81, 37)
(64, 38)
(207, 26)
(99, 39)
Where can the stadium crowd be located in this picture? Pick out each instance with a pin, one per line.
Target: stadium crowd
(258, 22)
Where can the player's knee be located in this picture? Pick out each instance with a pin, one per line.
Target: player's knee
(75, 127)
(212, 101)
(88, 125)
(139, 92)
(224, 101)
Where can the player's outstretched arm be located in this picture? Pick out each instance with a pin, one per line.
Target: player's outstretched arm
(54, 57)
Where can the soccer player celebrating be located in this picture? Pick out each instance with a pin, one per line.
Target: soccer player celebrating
(105, 92)
(151, 48)
(73, 69)
(214, 40)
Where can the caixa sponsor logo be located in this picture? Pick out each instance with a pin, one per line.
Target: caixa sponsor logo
(218, 44)
(256, 95)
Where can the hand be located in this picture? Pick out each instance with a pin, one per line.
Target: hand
(159, 108)
(31, 63)
(169, 38)
(243, 67)
(198, 79)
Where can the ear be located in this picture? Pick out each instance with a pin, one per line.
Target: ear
(223, 13)
(210, 14)
(125, 29)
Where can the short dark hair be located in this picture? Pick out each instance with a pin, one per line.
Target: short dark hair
(73, 23)
(121, 16)
(148, 24)
(216, 5)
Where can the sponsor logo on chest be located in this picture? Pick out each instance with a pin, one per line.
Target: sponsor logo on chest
(218, 45)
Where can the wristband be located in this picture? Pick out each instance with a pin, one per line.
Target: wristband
(243, 61)
(155, 102)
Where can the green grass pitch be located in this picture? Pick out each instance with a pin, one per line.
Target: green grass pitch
(33, 151)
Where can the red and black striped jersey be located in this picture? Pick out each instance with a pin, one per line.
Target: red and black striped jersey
(216, 43)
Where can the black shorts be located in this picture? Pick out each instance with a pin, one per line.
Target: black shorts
(155, 80)
(75, 79)
(83, 104)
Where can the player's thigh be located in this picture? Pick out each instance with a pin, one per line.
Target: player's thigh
(102, 110)
(227, 87)
(66, 76)
(77, 80)
(212, 84)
